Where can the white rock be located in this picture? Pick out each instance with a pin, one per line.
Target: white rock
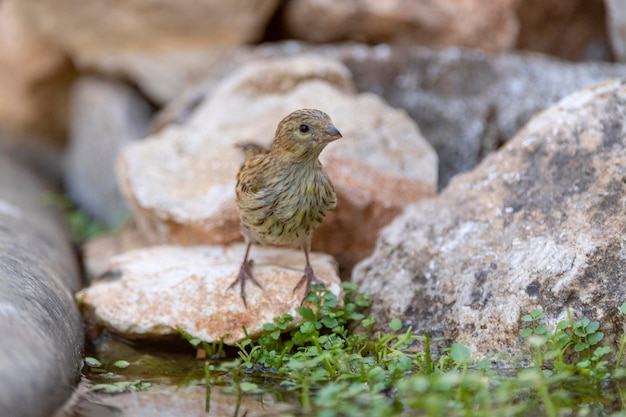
(157, 289)
(180, 183)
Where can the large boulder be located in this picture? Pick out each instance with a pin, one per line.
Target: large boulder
(488, 25)
(180, 183)
(161, 46)
(539, 223)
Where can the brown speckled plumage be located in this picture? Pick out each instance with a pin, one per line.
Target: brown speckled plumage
(284, 193)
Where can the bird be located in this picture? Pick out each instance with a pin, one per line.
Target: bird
(283, 193)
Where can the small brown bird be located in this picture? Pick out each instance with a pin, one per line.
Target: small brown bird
(284, 193)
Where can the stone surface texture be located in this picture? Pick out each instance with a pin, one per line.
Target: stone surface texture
(616, 17)
(153, 290)
(106, 115)
(41, 346)
(539, 223)
(35, 74)
(466, 103)
(180, 182)
(473, 23)
(98, 250)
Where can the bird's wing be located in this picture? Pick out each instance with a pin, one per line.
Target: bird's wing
(251, 178)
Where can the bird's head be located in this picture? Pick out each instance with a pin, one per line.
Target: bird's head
(304, 133)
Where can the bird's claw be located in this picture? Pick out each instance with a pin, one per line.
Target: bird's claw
(245, 272)
(309, 278)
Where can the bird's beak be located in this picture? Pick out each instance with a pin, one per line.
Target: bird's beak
(330, 134)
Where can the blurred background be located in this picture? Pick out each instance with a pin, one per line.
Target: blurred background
(80, 79)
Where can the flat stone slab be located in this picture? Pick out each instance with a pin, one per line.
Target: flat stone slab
(154, 290)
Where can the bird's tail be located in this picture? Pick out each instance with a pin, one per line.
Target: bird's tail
(251, 149)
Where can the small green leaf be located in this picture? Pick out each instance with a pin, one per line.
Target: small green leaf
(601, 351)
(121, 364)
(579, 347)
(623, 308)
(92, 362)
(307, 328)
(526, 332)
(593, 327)
(483, 364)
(541, 330)
(368, 322)
(595, 338)
(460, 353)
(537, 313)
(108, 388)
(329, 322)
(395, 324)
(248, 387)
(563, 324)
(306, 313)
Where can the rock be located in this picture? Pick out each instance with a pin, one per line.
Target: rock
(573, 30)
(158, 44)
(491, 26)
(106, 115)
(156, 289)
(35, 74)
(42, 342)
(616, 17)
(466, 103)
(180, 184)
(538, 224)
(41, 157)
(98, 251)
(160, 75)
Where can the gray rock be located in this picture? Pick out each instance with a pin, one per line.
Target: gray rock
(616, 17)
(41, 346)
(539, 223)
(106, 115)
(466, 103)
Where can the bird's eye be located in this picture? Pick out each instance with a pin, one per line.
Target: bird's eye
(303, 128)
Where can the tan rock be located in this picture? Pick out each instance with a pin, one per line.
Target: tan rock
(35, 74)
(159, 288)
(572, 30)
(474, 23)
(180, 183)
(98, 251)
(160, 45)
(538, 224)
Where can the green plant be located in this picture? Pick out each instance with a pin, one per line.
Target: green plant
(82, 227)
(335, 364)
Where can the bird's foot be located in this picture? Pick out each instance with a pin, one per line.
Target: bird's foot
(245, 273)
(309, 279)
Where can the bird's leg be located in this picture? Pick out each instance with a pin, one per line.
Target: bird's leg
(309, 276)
(245, 272)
